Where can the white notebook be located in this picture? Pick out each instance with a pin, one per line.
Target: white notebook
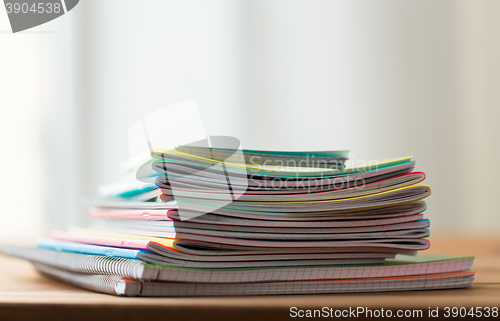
(117, 285)
(402, 265)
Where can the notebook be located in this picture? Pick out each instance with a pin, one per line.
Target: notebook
(179, 259)
(416, 229)
(274, 181)
(374, 201)
(386, 211)
(209, 243)
(395, 196)
(58, 245)
(410, 222)
(402, 265)
(118, 285)
(315, 159)
(170, 159)
(326, 222)
(305, 194)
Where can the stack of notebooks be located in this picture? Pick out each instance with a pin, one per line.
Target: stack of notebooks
(265, 222)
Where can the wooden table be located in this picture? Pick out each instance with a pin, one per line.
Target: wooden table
(25, 295)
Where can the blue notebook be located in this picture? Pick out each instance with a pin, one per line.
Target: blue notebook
(58, 245)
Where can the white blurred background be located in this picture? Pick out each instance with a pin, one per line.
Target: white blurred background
(384, 78)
